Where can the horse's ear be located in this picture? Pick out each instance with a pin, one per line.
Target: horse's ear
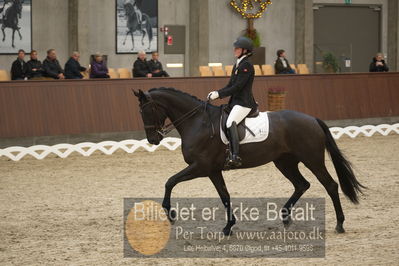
(135, 93)
(142, 95)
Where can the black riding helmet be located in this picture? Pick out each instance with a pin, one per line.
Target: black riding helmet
(244, 43)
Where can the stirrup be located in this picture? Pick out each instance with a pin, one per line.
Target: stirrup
(233, 161)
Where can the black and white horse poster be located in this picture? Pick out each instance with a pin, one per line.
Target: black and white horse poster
(15, 25)
(136, 26)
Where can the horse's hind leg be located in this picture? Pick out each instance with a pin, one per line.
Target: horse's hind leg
(288, 166)
(19, 33)
(218, 182)
(320, 171)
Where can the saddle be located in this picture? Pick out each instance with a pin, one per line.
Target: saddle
(241, 128)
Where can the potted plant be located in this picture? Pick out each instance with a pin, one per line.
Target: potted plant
(330, 63)
(276, 98)
(259, 52)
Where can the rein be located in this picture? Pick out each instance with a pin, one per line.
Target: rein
(164, 130)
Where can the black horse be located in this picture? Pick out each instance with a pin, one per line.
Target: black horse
(133, 25)
(12, 15)
(294, 137)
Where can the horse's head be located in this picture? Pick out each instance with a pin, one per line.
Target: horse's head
(129, 9)
(17, 4)
(153, 117)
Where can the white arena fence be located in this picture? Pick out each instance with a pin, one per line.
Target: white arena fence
(130, 146)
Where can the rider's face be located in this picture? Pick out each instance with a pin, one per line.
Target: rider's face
(238, 52)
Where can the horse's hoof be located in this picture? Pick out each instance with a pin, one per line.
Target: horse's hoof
(172, 216)
(287, 222)
(339, 229)
(227, 231)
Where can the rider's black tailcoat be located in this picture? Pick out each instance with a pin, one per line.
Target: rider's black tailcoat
(240, 85)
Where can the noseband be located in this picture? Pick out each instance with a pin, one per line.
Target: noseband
(157, 126)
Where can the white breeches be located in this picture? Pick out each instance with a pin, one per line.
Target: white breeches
(237, 114)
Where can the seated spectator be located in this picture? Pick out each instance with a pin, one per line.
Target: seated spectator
(98, 68)
(73, 67)
(35, 68)
(378, 64)
(19, 68)
(156, 66)
(51, 66)
(141, 68)
(282, 66)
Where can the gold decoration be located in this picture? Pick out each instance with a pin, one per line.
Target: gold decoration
(246, 8)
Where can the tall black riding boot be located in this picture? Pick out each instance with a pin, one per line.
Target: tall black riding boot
(234, 159)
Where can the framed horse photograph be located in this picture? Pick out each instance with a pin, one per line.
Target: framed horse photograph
(16, 26)
(136, 26)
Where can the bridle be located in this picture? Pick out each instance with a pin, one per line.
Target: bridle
(157, 126)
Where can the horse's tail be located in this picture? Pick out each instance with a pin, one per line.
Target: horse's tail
(148, 27)
(347, 179)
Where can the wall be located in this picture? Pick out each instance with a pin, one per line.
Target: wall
(49, 30)
(276, 29)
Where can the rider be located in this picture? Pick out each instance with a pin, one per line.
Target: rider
(6, 5)
(136, 9)
(241, 101)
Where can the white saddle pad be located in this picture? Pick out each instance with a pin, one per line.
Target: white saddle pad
(258, 125)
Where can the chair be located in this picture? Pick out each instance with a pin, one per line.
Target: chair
(112, 73)
(85, 74)
(268, 70)
(4, 75)
(205, 71)
(294, 68)
(124, 73)
(303, 69)
(258, 71)
(228, 69)
(218, 71)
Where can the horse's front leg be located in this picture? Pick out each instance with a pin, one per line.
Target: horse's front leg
(186, 174)
(13, 35)
(19, 33)
(142, 39)
(218, 181)
(127, 34)
(4, 34)
(131, 34)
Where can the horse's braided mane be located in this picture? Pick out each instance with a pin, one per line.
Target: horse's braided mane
(176, 91)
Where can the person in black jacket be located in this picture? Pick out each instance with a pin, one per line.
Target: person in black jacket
(19, 69)
(35, 68)
(73, 67)
(241, 100)
(282, 66)
(141, 68)
(51, 66)
(378, 64)
(156, 66)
